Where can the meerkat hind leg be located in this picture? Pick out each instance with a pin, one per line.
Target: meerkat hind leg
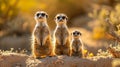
(50, 48)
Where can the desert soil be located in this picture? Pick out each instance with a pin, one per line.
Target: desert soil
(22, 60)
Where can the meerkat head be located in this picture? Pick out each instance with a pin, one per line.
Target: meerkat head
(76, 34)
(41, 16)
(61, 18)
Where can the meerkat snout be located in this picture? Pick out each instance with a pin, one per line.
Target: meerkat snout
(41, 16)
(61, 18)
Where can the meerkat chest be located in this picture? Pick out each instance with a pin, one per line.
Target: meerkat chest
(62, 31)
(76, 43)
(42, 29)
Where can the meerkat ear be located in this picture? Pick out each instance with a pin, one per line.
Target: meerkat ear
(46, 15)
(80, 33)
(54, 18)
(66, 18)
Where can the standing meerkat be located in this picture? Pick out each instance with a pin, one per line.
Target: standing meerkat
(41, 45)
(61, 34)
(77, 45)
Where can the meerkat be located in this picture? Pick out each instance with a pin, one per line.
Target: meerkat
(41, 45)
(76, 43)
(62, 36)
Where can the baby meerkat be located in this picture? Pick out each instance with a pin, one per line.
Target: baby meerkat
(76, 44)
(41, 45)
(61, 34)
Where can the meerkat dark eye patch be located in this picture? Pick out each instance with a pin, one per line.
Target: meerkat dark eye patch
(42, 14)
(74, 33)
(78, 33)
(58, 17)
(37, 14)
(63, 17)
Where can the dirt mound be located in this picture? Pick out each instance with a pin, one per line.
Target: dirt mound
(13, 60)
(22, 60)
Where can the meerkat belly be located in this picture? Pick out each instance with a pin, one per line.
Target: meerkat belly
(42, 49)
(44, 32)
(76, 48)
(61, 47)
(63, 36)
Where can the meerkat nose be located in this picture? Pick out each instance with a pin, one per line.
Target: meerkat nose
(40, 16)
(61, 19)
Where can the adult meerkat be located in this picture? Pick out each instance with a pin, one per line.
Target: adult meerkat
(61, 34)
(77, 45)
(41, 36)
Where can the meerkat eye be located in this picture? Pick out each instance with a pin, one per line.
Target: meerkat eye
(42, 14)
(63, 17)
(78, 33)
(37, 14)
(58, 17)
(74, 33)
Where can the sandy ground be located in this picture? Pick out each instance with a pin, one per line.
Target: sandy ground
(22, 60)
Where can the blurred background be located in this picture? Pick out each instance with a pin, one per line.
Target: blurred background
(88, 16)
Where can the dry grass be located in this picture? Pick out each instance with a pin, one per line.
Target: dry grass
(112, 51)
